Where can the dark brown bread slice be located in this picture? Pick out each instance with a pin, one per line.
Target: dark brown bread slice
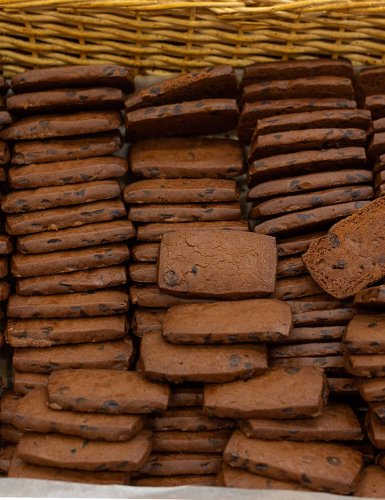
(115, 355)
(376, 105)
(380, 191)
(314, 334)
(27, 152)
(309, 182)
(370, 81)
(58, 196)
(176, 464)
(291, 69)
(181, 191)
(175, 213)
(66, 100)
(334, 118)
(190, 157)
(365, 334)
(371, 483)
(342, 386)
(340, 316)
(78, 281)
(297, 244)
(59, 218)
(365, 365)
(182, 480)
(310, 219)
(6, 453)
(143, 273)
(5, 119)
(76, 237)
(336, 423)
(108, 75)
(204, 263)
(6, 246)
(206, 83)
(166, 362)
(46, 333)
(5, 155)
(259, 320)
(294, 288)
(56, 450)
(316, 303)
(322, 467)
(9, 434)
(375, 429)
(254, 111)
(190, 442)
(298, 202)
(316, 86)
(290, 266)
(302, 140)
(306, 349)
(279, 393)
(151, 296)
(378, 126)
(21, 469)
(376, 147)
(63, 173)
(73, 305)
(186, 395)
(370, 297)
(156, 231)
(145, 252)
(338, 265)
(106, 391)
(302, 162)
(8, 404)
(378, 410)
(371, 389)
(5, 288)
(68, 261)
(200, 117)
(23, 382)
(33, 414)
(188, 420)
(147, 321)
(333, 365)
(3, 267)
(51, 126)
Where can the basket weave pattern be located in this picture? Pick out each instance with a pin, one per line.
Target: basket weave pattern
(158, 36)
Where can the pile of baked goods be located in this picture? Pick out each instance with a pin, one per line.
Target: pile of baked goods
(197, 280)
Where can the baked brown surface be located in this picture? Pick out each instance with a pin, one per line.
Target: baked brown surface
(371, 483)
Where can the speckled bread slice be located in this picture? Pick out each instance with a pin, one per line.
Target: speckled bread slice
(365, 334)
(8, 403)
(69, 260)
(376, 105)
(340, 316)
(65, 100)
(78, 281)
(46, 333)
(296, 287)
(316, 303)
(21, 469)
(166, 362)
(150, 296)
(108, 75)
(27, 152)
(181, 191)
(212, 82)
(106, 391)
(145, 252)
(306, 350)
(365, 365)
(186, 395)
(88, 235)
(314, 334)
(190, 442)
(254, 111)
(268, 71)
(341, 273)
(116, 355)
(73, 305)
(334, 118)
(332, 365)
(60, 218)
(304, 201)
(156, 231)
(23, 382)
(33, 414)
(63, 173)
(279, 393)
(58, 196)
(327, 467)
(336, 423)
(172, 464)
(51, 126)
(184, 258)
(147, 321)
(309, 182)
(342, 386)
(371, 483)
(56, 450)
(370, 297)
(182, 480)
(6, 453)
(303, 162)
(143, 273)
(190, 157)
(199, 117)
(290, 266)
(194, 212)
(188, 420)
(260, 320)
(308, 220)
(297, 244)
(237, 478)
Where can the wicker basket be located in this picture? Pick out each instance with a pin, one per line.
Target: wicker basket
(157, 36)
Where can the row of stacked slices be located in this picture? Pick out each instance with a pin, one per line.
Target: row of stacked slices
(70, 309)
